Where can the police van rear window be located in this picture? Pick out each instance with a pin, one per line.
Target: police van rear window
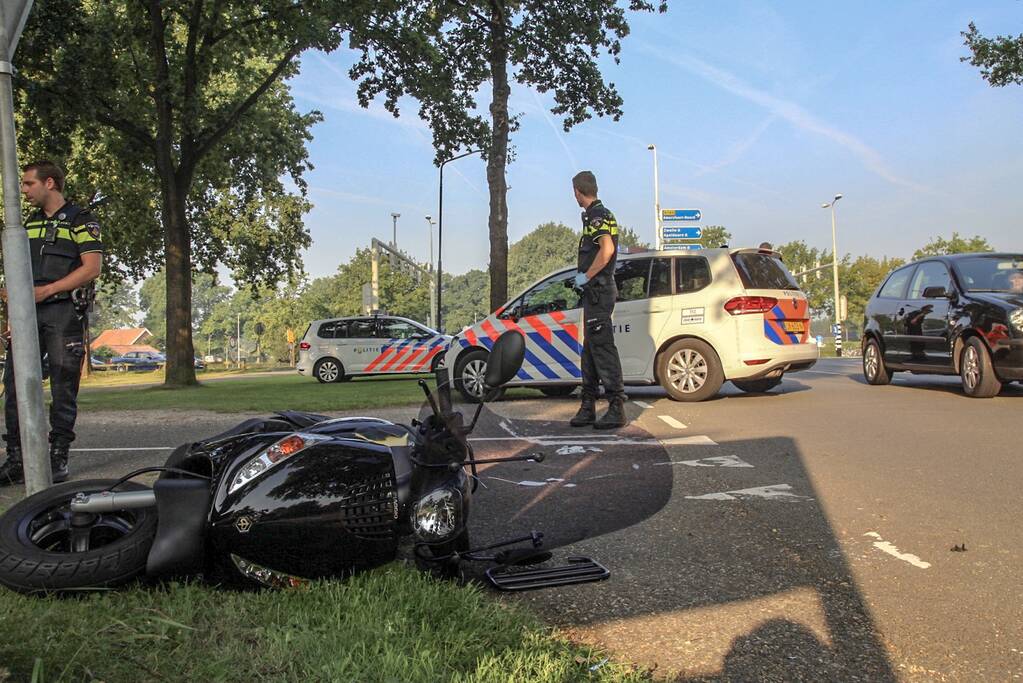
(763, 271)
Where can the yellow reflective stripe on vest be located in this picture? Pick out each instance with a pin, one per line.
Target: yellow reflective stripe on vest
(83, 237)
(40, 233)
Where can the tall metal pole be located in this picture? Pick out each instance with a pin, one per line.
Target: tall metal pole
(433, 285)
(394, 219)
(28, 378)
(440, 233)
(834, 269)
(657, 202)
(238, 337)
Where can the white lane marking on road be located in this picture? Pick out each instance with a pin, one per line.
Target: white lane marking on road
(886, 547)
(672, 422)
(720, 461)
(700, 440)
(779, 492)
(643, 405)
(573, 450)
(140, 448)
(569, 440)
(530, 483)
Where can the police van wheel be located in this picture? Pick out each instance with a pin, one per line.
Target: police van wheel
(689, 370)
(470, 372)
(329, 370)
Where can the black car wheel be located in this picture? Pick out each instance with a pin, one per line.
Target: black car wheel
(874, 369)
(757, 386)
(976, 370)
(328, 370)
(689, 370)
(470, 377)
(46, 547)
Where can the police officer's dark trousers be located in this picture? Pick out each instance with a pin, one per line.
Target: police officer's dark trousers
(600, 361)
(61, 338)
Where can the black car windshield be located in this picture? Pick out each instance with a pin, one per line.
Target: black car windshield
(995, 273)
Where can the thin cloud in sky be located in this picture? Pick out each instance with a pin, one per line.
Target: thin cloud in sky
(789, 111)
(557, 133)
(739, 148)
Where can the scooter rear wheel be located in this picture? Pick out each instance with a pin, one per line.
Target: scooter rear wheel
(44, 547)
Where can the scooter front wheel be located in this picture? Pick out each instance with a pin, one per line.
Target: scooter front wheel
(44, 546)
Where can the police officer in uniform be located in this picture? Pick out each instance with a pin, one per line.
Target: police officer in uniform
(67, 256)
(598, 252)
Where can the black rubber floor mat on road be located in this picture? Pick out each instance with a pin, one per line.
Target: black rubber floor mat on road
(578, 570)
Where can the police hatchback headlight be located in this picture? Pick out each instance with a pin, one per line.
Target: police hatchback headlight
(438, 516)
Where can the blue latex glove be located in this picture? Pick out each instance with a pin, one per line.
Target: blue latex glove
(581, 279)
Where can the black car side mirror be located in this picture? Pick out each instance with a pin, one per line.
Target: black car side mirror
(936, 292)
(505, 358)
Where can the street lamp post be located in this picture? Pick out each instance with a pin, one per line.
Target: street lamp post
(394, 219)
(834, 270)
(440, 232)
(433, 287)
(657, 202)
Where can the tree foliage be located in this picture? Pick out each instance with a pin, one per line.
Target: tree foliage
(714, 236)
(116, 306)
(1000, 59)
(180, 114)
(954, 245)
(442, 53)
(207, 293)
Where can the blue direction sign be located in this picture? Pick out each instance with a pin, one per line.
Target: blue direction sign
(681, 246)
(681, 214)
(681, 232)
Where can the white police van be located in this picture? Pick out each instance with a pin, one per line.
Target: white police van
(687, 321)
(338, 349)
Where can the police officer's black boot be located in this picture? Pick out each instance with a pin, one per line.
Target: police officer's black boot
(12, 471)
(615, 415)
(587, 413)
(58, 462)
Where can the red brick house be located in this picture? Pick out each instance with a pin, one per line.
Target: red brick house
(123, 340)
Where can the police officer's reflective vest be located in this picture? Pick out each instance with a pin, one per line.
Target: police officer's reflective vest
(597, 222)
(57, 243)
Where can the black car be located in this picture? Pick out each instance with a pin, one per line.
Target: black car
(960, 314)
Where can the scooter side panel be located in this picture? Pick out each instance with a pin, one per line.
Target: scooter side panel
(330, 509)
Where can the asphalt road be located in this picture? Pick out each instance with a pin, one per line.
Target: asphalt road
(806, 534)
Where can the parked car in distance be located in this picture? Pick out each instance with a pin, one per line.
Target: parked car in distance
(139, 360)
(960, 314)
(687, 321)
(336, 350)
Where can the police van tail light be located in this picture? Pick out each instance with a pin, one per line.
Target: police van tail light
(304, 346)
(741, 305)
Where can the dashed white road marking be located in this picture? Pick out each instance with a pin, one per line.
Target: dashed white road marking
(779, 492)
(720, 461)
(700, 440)
(643, 405)
(886, 547)
(672, 422)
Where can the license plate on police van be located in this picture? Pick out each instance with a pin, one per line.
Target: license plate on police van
(794, 326)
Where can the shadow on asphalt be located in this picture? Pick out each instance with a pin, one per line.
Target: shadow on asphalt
(710, 581)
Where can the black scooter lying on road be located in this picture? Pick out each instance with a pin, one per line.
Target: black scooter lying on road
(279, 501)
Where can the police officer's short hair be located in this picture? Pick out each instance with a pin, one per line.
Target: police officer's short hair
(44, 169)
(586, 183)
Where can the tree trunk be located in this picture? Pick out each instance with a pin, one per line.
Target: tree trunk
(180, 355)
(498, 158)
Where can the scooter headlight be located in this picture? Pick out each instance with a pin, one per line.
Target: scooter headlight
(1016, 319)
(438, 515)
(273, 456)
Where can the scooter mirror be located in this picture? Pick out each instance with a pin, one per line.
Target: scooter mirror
(505, 358)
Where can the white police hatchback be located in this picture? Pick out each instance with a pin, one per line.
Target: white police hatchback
(338, 349)
(687, 321)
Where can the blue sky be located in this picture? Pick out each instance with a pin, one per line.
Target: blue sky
(760, 112)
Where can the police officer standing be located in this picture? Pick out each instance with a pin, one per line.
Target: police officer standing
(67, 256)
(598, 252)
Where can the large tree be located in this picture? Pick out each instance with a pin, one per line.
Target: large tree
(179, 112)
(441, 52)
(953, 245)
(1000, 58)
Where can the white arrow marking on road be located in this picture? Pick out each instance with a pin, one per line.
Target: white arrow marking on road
(672, 422)
(573, 450)
(886, 547)
(643, 405)
(721, 461)
(781, 492)
(527, 482)
(700, 440)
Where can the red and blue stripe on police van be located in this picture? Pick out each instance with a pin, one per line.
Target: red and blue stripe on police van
(541, 339)
(407, 355)
(795, 312)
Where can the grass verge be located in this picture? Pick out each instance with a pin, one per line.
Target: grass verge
(261, 393)
(392, 624)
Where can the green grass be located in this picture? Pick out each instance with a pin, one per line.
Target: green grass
(392, 624)
(260, 393)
